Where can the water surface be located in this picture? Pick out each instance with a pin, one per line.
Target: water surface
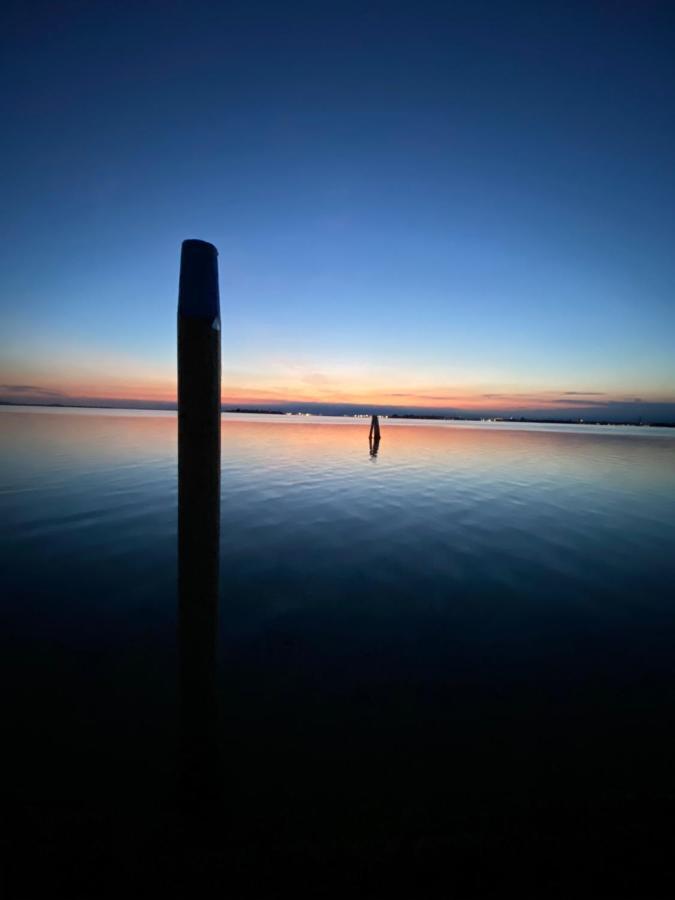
(464, 638)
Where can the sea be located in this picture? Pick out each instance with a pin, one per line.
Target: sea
(447, 661)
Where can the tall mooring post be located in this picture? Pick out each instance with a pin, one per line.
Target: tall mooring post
(198, 518)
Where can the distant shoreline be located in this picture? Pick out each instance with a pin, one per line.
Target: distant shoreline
(407, 416)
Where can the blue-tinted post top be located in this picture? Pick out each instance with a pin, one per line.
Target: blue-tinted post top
(198, 295)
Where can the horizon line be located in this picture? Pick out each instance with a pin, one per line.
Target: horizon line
(524, 415)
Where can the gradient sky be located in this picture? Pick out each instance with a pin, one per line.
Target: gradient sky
(462, 205)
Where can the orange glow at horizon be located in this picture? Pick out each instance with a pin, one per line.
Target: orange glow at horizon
(116, 381)
(163, 391)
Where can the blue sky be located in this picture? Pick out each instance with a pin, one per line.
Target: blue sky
(410, 201)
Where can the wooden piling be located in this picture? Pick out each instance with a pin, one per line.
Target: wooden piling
(198, 517)
(374, 428)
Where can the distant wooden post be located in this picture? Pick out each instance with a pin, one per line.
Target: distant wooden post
(198, 517)
(374, 428)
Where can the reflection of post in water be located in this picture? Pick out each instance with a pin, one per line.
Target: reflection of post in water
(198, 517)
(374, 446)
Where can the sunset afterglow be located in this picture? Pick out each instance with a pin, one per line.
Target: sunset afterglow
(397, 226)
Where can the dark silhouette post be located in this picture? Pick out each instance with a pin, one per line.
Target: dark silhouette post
(198, 518)
(374, 429)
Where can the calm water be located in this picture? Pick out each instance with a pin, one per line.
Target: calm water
(466, 638)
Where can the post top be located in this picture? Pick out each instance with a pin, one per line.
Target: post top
(198, 295)
(194, 245)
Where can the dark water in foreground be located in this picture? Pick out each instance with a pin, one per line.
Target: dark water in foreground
(448, 667)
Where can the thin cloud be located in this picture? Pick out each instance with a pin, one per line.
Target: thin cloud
(424, 396)
(316, 378)
(543, 396)
(595, 403)
(574, 402)
(513, 396)
(30, 390)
